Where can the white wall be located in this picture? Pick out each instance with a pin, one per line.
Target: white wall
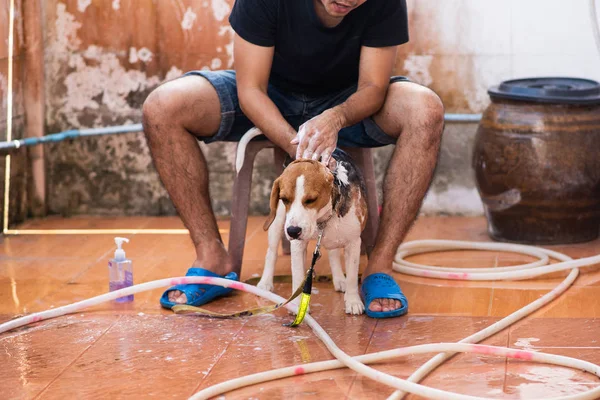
(461, 47)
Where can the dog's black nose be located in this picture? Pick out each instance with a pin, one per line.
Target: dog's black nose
(294, 232)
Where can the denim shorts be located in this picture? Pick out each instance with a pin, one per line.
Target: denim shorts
(296, 108)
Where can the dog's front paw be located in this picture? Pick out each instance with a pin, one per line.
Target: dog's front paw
(354, 304)
(340, 284)
(265, 285)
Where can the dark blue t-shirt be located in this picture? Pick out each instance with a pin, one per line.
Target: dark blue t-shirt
(309, 57)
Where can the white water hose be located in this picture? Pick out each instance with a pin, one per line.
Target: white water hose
(358, 364)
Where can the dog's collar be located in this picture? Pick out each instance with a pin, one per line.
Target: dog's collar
(323, 223)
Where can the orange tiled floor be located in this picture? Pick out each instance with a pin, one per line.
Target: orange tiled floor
(138, 350)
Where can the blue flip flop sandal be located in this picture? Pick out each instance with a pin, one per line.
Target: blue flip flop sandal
(382, 286)
(198, 294)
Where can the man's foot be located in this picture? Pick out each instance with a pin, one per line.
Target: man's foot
(179, 297)
(197, 294)
(211, 257)
(385, 305)
(383, 296)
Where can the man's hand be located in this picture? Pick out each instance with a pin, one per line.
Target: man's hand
(317, 138)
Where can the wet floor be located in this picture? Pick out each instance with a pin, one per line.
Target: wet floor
(139, 350)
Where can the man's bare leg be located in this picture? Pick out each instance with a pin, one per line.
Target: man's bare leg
(415, 115)
(173, 115)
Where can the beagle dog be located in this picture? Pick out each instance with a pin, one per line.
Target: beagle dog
(309, 197)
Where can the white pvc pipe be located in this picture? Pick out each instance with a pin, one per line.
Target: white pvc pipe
(357, 363)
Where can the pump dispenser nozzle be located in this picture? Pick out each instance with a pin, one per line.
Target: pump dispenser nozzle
(120, 253)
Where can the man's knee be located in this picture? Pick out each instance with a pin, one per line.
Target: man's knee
(429, 108)
(428, 115)
(189, 103)
(416, 110)
(158, 107)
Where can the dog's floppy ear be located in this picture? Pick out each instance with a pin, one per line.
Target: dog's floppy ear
(274, 203)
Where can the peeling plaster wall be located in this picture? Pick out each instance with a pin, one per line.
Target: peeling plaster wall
(19, 161)
(103, 57)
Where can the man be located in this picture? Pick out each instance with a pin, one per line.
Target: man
(321, 64)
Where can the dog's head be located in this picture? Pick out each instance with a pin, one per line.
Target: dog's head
(305, 188)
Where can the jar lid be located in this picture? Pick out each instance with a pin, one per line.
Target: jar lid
(549, 90)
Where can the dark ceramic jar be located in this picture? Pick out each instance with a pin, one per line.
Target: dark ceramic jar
(537, 161)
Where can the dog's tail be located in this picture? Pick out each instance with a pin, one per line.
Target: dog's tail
(241, 148)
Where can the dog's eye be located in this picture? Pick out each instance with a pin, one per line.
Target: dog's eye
(285, 200)
(309, 201)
